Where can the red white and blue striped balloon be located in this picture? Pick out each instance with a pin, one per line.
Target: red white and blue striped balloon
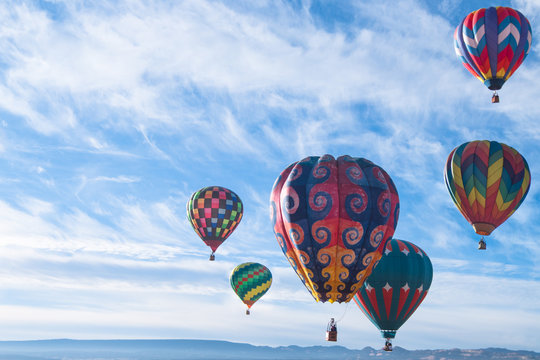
(492, 43)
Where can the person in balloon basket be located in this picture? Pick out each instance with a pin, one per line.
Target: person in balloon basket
(332, 325)
(331, 330)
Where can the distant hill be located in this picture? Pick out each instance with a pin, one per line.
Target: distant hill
(223, 350)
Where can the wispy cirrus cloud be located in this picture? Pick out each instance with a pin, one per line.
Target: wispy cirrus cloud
(113, 114)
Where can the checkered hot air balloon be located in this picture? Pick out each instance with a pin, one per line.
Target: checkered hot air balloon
(332, 218)
(487, 181)
(396, 287)
(492, 43)
(214, 212)
(250, 281)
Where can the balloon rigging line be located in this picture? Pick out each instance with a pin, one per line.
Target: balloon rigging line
(344, 312)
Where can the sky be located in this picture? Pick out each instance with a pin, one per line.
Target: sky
(113, 113)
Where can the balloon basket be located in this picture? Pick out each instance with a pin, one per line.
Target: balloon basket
(387, 345)
(482, 244)
(331, 330)
(247, 312)
(331, 335)
(495, 98)
(212, 257)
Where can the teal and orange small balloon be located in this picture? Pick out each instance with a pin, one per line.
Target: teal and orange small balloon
(214, 212)
(487, 181)
(396, 287)
(250, 281)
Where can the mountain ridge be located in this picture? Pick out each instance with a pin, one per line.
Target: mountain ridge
(193, 349)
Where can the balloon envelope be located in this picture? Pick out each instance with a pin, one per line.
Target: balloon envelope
(250, 281)
(331, 218)
(492, 43)
(487, 181)
(214, 212)
(396, 286)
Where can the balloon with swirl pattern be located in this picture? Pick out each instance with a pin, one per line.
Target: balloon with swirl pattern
(332, 219)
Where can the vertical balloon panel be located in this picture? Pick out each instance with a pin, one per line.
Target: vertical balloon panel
(281, 233)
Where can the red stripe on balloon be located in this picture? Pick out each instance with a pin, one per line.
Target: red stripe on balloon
(387, 297)
(403, 294)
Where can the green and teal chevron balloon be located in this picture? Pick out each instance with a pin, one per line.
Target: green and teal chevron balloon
(250, 281)
(396, 287)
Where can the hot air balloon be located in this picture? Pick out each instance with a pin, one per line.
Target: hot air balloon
(492, 43)
(214, 212)
(331, 218)
(396, 287)
(250, 281)
(487, 181)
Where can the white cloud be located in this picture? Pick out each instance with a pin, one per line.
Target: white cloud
(123, 109)
(118, 179)
(118, 56)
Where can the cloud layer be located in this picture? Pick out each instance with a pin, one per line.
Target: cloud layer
(113, 114)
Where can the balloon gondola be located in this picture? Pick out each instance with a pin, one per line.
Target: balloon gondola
(331, 330)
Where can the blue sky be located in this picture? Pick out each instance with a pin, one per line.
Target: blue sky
(112, 115)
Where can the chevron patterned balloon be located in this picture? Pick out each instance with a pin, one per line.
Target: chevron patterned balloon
(487, 181)
(396, 287)
(250, 281)
(492, 43)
